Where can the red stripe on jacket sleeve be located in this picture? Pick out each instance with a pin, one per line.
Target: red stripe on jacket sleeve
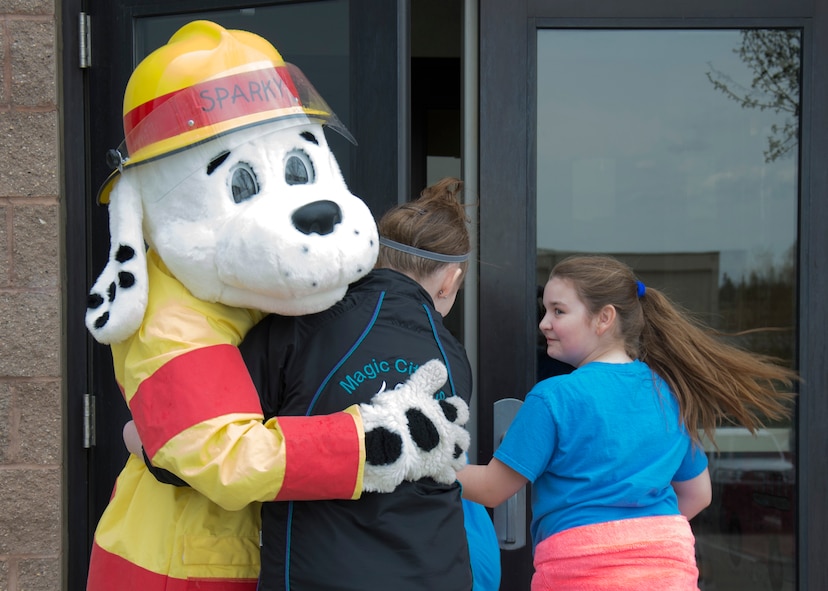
(323, 456)
(196, 386)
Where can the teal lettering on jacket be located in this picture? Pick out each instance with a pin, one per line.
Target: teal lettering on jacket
(400, 370)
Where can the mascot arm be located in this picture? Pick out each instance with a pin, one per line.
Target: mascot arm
(408, 435)
(199, 417)
(198, 414)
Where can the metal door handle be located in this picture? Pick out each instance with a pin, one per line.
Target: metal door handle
(510, 536)
(509, 517)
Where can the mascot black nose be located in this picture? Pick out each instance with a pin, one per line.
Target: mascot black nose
(320, 217)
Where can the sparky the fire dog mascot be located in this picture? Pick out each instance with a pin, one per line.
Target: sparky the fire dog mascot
(227, 203)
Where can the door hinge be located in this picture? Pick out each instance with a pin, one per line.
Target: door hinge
(88, 421)
(84, 45)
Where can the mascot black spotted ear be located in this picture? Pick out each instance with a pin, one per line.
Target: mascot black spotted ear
(226, 203)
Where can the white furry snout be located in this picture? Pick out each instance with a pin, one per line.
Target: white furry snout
(296, 266)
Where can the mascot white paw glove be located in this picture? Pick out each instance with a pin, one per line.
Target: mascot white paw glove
(410, 435)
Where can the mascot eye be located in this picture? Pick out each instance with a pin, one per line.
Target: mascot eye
(243, 183)
(298, 168)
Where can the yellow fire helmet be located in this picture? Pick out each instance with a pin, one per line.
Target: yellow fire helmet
(206, 82)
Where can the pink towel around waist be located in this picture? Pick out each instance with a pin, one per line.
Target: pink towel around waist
(656, 553)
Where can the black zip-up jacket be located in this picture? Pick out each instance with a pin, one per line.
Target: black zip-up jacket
(410, 540)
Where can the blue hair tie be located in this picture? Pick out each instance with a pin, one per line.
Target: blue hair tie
(641, 289)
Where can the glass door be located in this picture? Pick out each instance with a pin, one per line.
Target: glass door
(688, 138)
(677, 151)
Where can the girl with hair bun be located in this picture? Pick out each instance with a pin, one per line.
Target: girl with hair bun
(422, 535)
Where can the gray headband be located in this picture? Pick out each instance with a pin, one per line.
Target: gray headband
(426, 254)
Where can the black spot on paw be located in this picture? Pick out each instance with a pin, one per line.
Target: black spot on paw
(126, 279)
(382, 447)
(449, 410)
(102, 320)
(422, 430)
(94, 300)
(111, 291)
(458, 451)
(124, 254)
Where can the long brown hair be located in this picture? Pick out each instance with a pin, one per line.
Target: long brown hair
(714, 382)
(436, 221)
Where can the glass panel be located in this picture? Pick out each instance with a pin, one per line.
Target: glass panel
(311, 35)
(677, 152)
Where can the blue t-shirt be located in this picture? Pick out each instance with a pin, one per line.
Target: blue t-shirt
(600, 444)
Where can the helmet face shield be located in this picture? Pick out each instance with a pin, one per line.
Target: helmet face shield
(268, 98)
(215, 107)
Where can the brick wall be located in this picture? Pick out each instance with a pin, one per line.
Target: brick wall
(30, 300)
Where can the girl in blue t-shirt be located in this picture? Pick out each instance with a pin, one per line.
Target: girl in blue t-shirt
(613, 449)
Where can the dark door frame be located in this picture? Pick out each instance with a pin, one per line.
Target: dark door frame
(73, 117)
(379, 173)
(507, 246)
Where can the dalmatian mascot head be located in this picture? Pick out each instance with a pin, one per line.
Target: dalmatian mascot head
(225, 172)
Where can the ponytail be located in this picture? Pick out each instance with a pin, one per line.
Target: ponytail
(715, 382)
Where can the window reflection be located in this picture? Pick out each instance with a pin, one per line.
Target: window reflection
(676, 151)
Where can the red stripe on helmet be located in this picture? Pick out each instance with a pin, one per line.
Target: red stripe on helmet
(209, 103)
